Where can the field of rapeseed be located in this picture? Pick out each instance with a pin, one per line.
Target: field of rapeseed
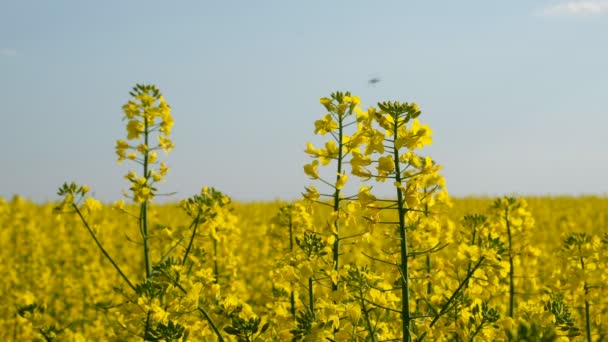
(337, 265)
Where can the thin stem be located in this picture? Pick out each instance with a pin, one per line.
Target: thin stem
(587, 319)
(199, 308)
(143, 218)
(368, 322)
(429, 286)
(472, 243)
(103, 250)
(353, 236)
(587, 309)
(454, 295)
(292, 295)
(378, 305)
(195, 223)
(380, 260)
(477, 329)
(311, 297)
(511, 266)
(148, 316)
(215, 264)
(336, 208)
(401, 210)
(211, 323)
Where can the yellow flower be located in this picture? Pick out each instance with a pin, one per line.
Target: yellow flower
(90, 204)
(360, 172)
(310, 149)
(119, 205)
(326, 103)
(156, 176)
(325, 125)
(330, 152)
(167, 123)
(417, 136)
(146, 100)
(311, 169)
(359, 159)
(121, 147)
(163, 169)
(131, 109)
(158, 314)
(141, 190)
(365, 195)
(375, 142)
(361, 114)
(142, 148)
(341, 180)
(386, 165)
(134, 129)
(152, 157)
(354, 312)
(410, 195)
(165, 143)
(311, 193)
(149, 117)
(131, 176)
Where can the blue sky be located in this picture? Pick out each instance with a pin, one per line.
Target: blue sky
(515, 91)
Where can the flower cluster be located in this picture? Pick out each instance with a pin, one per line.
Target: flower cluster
(147, 115)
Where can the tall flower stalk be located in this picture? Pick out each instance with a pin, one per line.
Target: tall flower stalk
(510, 216)
(148, 114)
(416, 181)
(149, 124)
(340, 107)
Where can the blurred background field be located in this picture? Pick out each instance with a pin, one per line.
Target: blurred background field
(49, 260)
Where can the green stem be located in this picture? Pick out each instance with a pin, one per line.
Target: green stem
(292, 301)
(211, 323)
(195, 223)
(290, 231)
(429, 285)
(477, 329)
(406, 317)
(147, 324)
(215, 264)
(454, 295)
(587, 308)
(143, 217)
(311, 297)
(472, 244)
(200, 309)
(292, 296)
(143, 222)
(511, 266)
(368, 322)
(103, 250)
(336, 207)
(587, 318)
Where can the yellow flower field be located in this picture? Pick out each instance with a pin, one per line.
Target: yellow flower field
(337, 265)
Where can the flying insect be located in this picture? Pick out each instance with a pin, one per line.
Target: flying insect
(374, 80)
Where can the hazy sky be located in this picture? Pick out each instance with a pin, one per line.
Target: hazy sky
(515, 91)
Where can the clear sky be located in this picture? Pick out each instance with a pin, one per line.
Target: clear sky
(515, 91)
